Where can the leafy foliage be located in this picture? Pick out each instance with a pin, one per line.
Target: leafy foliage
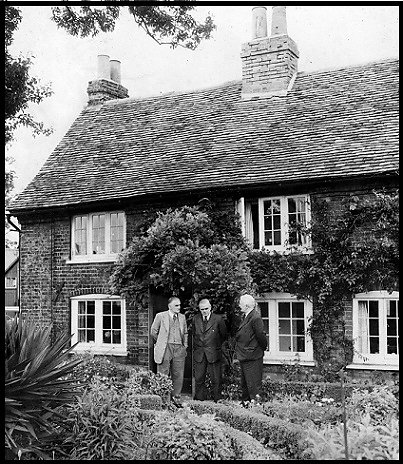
(102, 425)
(355, 249)
(186, 435)
(21, 89)
(34, 384)
(365, 441)
(166, 24)
(183, 252)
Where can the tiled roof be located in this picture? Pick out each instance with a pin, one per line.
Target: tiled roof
(333, 124)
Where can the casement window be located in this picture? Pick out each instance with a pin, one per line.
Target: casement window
(98, 236)
(269, 222)
(11, 282)
(98, 324)
(286, 320)
(376, 329)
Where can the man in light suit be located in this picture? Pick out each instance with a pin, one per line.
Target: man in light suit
(170, 335)
(250, 344)
(209, 332)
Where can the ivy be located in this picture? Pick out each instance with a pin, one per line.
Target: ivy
(198, 251)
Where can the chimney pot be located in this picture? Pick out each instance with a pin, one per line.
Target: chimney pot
(279, 21)
(104, 67)
(259, 22)
(115, 70)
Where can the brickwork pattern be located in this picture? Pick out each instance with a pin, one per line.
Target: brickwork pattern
(102, 90)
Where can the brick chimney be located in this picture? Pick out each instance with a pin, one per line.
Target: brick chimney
(107, 86)
(269, 64)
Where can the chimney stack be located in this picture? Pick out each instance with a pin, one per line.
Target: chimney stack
(107, 86)
(269, 64)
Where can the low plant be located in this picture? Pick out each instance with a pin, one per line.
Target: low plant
(300, 411)
(102, 425)
(285, 438)
(185, 435)
(366, 441)
(35, 386)
(147, 382)
(379, 404)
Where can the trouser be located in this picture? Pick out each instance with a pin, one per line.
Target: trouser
(251, 378)
(200, 370)
(173, 365)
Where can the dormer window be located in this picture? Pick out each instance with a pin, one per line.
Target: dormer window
(269, 222)
(98, 236)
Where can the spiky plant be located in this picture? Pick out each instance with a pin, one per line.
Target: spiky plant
(35, 385)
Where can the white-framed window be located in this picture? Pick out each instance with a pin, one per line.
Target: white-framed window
(97, 236)
(98, 324)
(11, 282)
(376, 329)
(286, 320)
(268, 222)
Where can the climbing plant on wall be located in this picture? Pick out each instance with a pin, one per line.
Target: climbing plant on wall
(355, 249)
(190, 252)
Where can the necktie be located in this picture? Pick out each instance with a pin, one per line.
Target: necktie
(175, 317)
(204, 322)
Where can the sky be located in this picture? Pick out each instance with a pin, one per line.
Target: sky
(327, 37)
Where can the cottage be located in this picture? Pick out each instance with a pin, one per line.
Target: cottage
(267, 145)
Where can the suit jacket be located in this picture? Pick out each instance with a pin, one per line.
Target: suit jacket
(250, 339)
(208, 341)
(160, 332)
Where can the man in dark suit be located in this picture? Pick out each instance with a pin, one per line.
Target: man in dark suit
(209, 332)
(250, 344)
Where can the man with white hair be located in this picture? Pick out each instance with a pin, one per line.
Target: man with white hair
(250, 344)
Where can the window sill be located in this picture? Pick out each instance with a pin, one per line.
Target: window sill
(111, 351)
(98, 259)
(378, 367)
(291, 361)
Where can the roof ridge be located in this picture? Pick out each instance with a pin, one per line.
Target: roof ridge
(351, 66)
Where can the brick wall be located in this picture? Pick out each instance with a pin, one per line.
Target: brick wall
(48, 282)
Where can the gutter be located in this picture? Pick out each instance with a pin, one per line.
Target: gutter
(17, 229)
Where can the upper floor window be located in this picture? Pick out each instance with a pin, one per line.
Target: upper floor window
(285, 321)
(376, 328)
(98, 324)
(271, 222)
(98, 236)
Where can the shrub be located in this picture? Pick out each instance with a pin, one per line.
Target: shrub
(365, 441)
(285, 438)
(185, 435)
(248, 448)
(151, 402)
(102, 425)
(379, 403)
(34, 385)
(147, 382)
(300, 411)
(102, 367)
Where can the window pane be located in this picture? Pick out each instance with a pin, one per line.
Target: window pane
(91, 307)
(106, 320)
(98, 234)
(277, 222)
(284, 310)
(373, 309)
(107, 338)
(106, 307)
(285, 343)
(80, 235)
(116, 232)
(284, 326)
(392, 347)
(298, 327)
(298, 344)
(264, 309)
(268, 223)
(298, 310)
(277, 238)
(373, 327)
(268, 239)
(116, 307)
(392, 327)
(116, 336)
(116, 322)
(374, 345)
